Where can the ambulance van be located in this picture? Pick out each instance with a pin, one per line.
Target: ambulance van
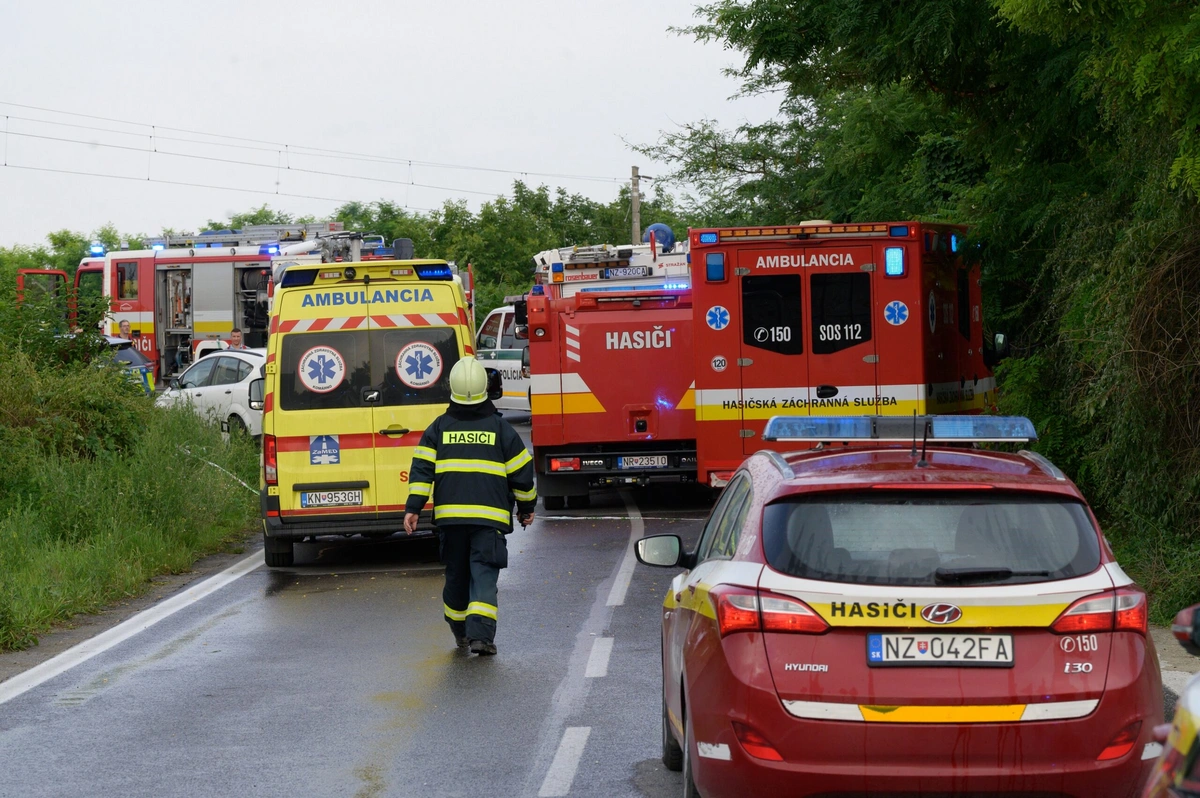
(358, 364)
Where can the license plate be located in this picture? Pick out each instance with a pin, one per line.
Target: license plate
(643, 461)
(331, 498)
(940, 649)
(618, 272)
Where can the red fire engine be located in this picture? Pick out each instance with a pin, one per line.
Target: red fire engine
(610, 352)
(827, 319)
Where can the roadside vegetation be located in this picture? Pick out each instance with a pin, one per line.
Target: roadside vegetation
(97, 494)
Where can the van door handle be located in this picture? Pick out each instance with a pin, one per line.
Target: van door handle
(826, 391)
(394, 431)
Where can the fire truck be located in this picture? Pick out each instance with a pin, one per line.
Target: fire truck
(831, 319)
(189, 291)
(610, 353)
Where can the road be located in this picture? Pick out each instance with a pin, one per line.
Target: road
(338, 677)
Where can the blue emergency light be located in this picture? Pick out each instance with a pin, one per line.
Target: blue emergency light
(436, 272)
(944, 429)
(898, 231)
(556, 268)
(708, 238)
(96, 248)
(893, 261)
(268, 249)
(295, 277)
(158, 247)
(714, 267)
(675, 286)
(953, 243)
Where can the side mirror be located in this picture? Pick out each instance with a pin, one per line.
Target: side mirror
(173, 385)
(1001, 344)
(487, 342)
(1186, 629)
(520, 313)
(495, 385)
(521, 332)
(256, 394)
(663, 551)
(525, 371)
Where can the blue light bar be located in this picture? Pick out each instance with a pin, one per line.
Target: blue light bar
(437, 272)
(294, 277)
(96, 248)
(676, 286)
(556, 268)
(953, 243)
(945, 429)
(893, 261)
(708, 238)
(268, 249)
(898, 231)
(158, 247)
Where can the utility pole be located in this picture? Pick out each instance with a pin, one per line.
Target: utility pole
(636, 200)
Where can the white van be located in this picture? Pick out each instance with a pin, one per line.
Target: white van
(498, 347)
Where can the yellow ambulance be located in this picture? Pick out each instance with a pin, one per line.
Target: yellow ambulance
(358, 364)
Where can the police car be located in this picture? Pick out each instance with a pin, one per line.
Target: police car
(897, 611)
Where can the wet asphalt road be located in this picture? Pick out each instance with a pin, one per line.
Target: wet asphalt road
(339, 677)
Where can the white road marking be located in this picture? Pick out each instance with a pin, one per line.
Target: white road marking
(126, 629)
(597, 665)
(1175, 681)
(616, 596)
(566, 762)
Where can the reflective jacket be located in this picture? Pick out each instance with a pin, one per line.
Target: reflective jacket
(473, 463)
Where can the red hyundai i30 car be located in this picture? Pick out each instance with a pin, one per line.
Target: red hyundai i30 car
(887, 615)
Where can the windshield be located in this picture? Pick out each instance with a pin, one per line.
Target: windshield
(930, 538)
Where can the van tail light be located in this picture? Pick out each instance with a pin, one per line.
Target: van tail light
(785, 614)
(1122, 743)
(741, 609)
(564, 464)
(270, 461)
(755, 744)
(1123, 609)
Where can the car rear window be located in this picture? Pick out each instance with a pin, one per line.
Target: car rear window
(130, 356)
(924, 538)
(339, 369)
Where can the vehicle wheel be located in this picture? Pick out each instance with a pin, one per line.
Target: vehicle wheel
(554, 502)
(672, 754)
(280, 553)
(689, 783)
(580, 502)
(237, 426)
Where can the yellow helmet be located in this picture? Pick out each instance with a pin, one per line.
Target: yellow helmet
(468, 382)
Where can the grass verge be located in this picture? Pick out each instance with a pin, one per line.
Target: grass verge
(77, 533)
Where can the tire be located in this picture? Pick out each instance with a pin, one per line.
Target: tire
(689, 781)
(237, 426)
(279, 553)
(580, 501)
(672, 754)
(554, 502)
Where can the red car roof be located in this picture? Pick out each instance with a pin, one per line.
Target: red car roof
(894, 467)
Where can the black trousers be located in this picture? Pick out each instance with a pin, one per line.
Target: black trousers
(473, 556)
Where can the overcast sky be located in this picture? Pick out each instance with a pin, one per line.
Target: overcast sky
(550, 87)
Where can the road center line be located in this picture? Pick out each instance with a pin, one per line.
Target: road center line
(566, 762)
(597, 664)
(102, 642)
(616, 596)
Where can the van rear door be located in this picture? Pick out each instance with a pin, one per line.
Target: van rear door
(324, 422)
(841, 325)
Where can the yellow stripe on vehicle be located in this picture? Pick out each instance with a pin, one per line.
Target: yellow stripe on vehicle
(518, 461)
(525, 495)
(688, 402)
(987, 713)
(463, 466)
(480, 608)
(908, 614)
(441, 511)
(454, 615)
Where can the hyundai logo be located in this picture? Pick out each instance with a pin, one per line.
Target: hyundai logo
(941, 613)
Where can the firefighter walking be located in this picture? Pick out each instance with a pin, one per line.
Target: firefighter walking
(473, 464)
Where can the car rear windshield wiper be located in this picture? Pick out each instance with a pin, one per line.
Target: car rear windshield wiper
(996, 574)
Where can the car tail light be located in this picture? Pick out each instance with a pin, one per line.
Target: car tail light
(1122, 743)
(564, 464)
(270, 461)
(784, 614)
(1122, 609)
(736, 608)
(754, 743)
